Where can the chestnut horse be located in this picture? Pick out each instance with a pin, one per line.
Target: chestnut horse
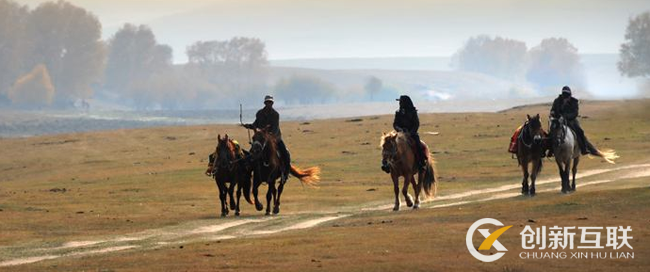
(397, 151)
(227, 166)
(267, 168)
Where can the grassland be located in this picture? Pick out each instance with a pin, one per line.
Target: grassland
(74, 187)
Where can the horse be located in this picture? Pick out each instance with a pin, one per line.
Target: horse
(567, 149)
(267, 168)
(226, 166)
(398, 152)
(530, 147)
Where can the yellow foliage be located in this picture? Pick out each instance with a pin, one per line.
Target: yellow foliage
(34, 88)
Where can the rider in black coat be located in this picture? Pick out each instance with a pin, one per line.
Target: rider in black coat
(406, 120)
(567, 106)
(269, 118)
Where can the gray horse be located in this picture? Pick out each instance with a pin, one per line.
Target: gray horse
(567, 152)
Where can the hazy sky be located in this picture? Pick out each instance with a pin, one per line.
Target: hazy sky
(370, 28)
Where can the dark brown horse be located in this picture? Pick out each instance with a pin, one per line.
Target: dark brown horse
(267, 166)
(530, 147)
(398, 152)
(228, 166)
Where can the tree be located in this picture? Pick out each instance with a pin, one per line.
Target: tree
(504, 58)
(635, 51)
(555, 62)
(12, 43)
(66, 39)
(33, 89)
(237, 67)
(133, 54)
(373, 86)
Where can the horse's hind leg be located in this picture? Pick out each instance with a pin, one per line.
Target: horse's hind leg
(524, 182)
(396, 189)
(561, 170)
(576, 161)
(405, 191)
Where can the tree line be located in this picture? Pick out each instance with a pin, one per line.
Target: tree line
(53, 56)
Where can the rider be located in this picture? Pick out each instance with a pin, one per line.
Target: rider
(406, 120)
(267, 117)
(567, 106)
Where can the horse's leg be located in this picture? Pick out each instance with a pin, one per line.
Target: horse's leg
(270, 193)
(237, 211)
(417, 187)
(276, 208)
(561, 170)
(396, 189)
(524, 182)
(533, 177)
(222, 198)
(405, 190)
(567, 169)
(231, 192)
(575, 171)
(257, 181)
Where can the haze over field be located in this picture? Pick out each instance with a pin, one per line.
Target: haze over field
(164, 59)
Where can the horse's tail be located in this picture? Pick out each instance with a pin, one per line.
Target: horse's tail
(609, 155)
(309, 176)
(429, 180)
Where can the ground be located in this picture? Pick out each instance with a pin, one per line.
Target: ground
(141, 193)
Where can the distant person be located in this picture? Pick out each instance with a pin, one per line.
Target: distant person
(565, 105)
(269, 119)
(407, 121)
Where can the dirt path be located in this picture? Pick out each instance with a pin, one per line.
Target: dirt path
(250, 226)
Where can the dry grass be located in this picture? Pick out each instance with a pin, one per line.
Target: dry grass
(130, 180)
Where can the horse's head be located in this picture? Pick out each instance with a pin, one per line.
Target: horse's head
(388, 146)
(556, 130)
(225, 152)
(535, 128)
(260, 141)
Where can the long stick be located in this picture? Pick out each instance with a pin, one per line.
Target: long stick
(242, 123)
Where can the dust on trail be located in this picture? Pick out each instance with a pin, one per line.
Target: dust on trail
(249, 226)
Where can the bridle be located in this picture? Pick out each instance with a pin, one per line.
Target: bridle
(392, 155)
(555, 125)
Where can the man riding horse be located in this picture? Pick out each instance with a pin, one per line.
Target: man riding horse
(406, 120)
(269, 119)
(566, 106)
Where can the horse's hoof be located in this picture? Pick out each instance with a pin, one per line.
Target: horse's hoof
(236, 213)
(396, 208)
(267, 213)
(259, 207)
(416, 206)
(276, 210)
(223, 214)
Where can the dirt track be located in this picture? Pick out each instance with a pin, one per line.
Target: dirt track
(250, 226)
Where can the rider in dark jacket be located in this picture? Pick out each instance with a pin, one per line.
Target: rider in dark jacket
(567, 106)
(406, 120)
(268, 118)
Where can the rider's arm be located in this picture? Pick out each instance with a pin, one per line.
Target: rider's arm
(396, 122)
(416, 122)
(572, 114)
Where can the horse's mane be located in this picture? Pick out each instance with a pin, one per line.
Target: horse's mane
(390, 136)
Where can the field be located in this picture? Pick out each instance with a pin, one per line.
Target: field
(128, 200)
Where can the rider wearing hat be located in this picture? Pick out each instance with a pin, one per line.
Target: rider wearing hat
(406, 120)
(567, 106)
(268, 118)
